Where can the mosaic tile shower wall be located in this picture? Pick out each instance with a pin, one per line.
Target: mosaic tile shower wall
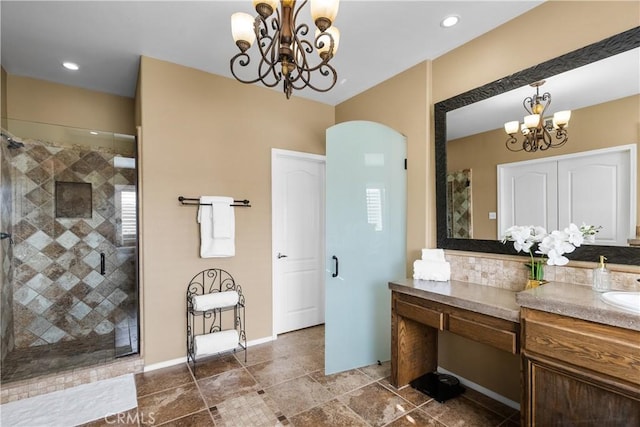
(58, 292)
(459, 204)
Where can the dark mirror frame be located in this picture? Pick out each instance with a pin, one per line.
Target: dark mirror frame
(610, 46)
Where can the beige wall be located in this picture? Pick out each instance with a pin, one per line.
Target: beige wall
(40, 101)
(600, 126)
(3, 97)
(208, 135)
(493, 56)
(402, 104)
(551, 29)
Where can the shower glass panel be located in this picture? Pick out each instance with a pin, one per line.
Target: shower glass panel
(69, 294)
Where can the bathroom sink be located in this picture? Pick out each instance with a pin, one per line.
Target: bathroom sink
(625, 300)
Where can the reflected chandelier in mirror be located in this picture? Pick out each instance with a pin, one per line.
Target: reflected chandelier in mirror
(536, 131)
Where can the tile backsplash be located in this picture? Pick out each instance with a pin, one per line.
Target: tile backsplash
(510, 272)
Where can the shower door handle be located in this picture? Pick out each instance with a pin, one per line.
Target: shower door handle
(102, 264)
(335, 259)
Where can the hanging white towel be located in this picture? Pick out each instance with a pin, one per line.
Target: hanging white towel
(210, 246)
(223, 218)
(439, 271)
(433, 255)
(215, 300)
(216, 342)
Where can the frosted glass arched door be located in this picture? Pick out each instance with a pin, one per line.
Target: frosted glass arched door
(365, 240)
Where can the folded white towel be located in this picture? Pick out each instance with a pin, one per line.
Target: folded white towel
(215, 300)
(439, 271)
(433, 255)
(211, 247)
(216, 342)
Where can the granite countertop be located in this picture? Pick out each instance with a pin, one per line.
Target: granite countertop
(577, 301)
(496, 302)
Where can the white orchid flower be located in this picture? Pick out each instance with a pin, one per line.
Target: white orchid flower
(556, 258)
(552, 245)
(575, 235)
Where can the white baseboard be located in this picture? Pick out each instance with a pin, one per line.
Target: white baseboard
(165, 364)
(179, 360)
(483, 390)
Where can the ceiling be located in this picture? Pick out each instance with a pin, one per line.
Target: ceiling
(379, 39)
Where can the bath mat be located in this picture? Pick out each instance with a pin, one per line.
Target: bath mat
(73, 406)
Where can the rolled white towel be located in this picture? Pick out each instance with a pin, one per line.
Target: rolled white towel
(439, 271)
(433, 255)
(216, 342)
(215, 300)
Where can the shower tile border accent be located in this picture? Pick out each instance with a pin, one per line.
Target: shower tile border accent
(50, 383)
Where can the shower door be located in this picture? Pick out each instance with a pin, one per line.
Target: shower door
(74, 261)
(365, 241)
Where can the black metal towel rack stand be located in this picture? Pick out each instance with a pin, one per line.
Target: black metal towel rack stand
(187, 202)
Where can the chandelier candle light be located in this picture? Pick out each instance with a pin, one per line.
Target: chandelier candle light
(537, 131)
(283, 50)
(552, 245)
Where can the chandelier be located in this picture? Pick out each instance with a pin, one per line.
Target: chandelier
(284, 54)
(536, 130)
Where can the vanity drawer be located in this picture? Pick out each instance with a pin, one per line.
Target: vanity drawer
(424, 315)
(501, 338)
(604, 349)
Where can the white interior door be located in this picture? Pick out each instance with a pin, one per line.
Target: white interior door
(366, 241)
(595, 190)
(297, 187)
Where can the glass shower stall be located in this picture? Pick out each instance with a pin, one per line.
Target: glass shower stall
(69, 287)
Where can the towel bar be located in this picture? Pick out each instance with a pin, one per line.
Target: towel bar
(236, 203)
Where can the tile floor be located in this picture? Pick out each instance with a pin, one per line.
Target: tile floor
(283, 384)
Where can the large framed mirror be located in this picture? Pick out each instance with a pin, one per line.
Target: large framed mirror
(610, 47)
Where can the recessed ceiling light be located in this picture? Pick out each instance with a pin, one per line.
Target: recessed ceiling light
(93, 132)
(450, 21)
(70, 66)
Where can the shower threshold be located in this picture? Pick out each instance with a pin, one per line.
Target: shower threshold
(38, 361)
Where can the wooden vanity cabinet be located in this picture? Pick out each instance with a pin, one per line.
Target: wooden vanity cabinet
(578, 373)
(415, 323)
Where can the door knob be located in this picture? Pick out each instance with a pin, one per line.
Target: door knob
(281, 255)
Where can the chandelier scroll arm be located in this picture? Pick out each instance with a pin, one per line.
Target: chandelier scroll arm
(512, 141)
(545, 139)
(528, 104)
(325, 70)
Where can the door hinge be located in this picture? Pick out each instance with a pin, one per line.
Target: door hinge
(405, 164)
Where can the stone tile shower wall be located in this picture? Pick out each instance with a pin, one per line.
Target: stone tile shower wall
(57, 289)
